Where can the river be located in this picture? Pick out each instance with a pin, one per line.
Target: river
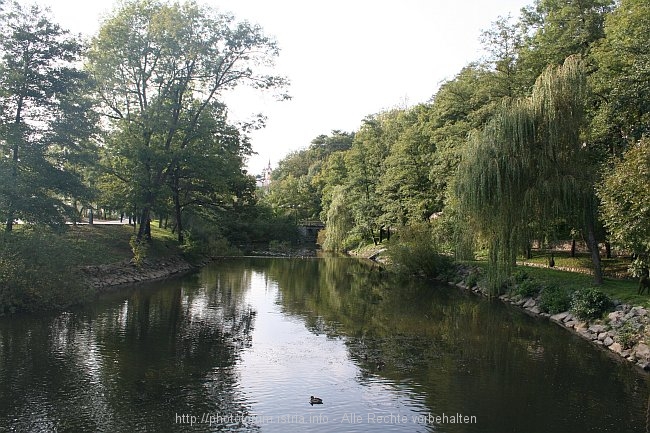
(243, 344)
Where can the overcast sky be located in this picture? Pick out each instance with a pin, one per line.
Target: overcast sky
(346, 59)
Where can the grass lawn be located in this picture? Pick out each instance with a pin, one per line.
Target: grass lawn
(108, 243)
(624, 290)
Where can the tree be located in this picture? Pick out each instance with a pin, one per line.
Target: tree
(622, 79)
(502, 41)
(365, 167)
(556, 30)
(207, 168)
(43, 117)
(625, 194)
(528, 167)
(159, 67)
(405, 188)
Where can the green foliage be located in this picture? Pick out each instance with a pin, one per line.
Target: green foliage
(526, 167)
(627, 335)
(526, 288)
(44, 119)
(169, 142)
(140, 249)
(622, 77)
(38, 271)
(555, 299)
(625, 194)
(339, 223)
(590, 303)
(413, 252)
(474, 277)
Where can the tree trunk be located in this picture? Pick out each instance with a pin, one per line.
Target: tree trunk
(592, 243)
(573, 247)
(145, 224)
(608, 250)
(178, 210)
(14, 159)
(179, 222)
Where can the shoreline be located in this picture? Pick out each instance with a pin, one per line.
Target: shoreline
(101, 278)
(606, 334)
(617, 334)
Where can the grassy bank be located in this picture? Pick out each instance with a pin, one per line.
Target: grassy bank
(408, 254)
(39, 267)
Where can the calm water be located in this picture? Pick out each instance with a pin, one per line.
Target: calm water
(242, 345)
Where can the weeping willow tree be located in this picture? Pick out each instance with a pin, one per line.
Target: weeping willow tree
(527, 167)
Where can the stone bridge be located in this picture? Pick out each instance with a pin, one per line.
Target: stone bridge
(309, 229)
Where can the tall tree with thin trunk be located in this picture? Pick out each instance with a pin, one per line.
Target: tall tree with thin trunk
(40, 111)
(159, 66)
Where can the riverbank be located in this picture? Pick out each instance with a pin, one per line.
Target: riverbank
(623, 331)
(103, 277)
(44, 269)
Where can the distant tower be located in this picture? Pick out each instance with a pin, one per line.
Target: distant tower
(266, 175)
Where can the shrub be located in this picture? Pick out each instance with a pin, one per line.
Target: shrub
(526, 289)
(139, 250)
(472, 278)
(414, 252)
(554, 299)
(627, 335)
(519, 276)
(590, 303)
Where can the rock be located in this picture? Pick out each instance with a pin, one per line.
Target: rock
(602, 336)
(530, 303)
(644, 365)
(581, 326)
(615, 316)
(597, 329)
(608, 341)
(568, 318)
(559, 316)
(642, 351)
(570, 324)
(639, 311)
(535, 310)
(615, 347)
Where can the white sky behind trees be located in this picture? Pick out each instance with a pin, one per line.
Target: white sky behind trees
(346, 59)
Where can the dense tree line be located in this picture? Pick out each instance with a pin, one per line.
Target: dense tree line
(131, 120)
(543, 138)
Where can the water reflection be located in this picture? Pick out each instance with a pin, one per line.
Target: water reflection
(244, 343)
(129, 365)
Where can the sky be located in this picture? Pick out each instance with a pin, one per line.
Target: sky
(345, 59)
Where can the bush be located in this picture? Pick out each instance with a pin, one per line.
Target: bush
(139, 250)
(627, 336)
(590, 303)
(414, 252)
(472, 278)
(526, 289)
(554, 300)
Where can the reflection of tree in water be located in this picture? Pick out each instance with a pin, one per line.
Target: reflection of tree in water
(130, 366)
(444, 340)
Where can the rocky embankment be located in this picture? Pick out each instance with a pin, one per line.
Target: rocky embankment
(623, 332)
(102, 277)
